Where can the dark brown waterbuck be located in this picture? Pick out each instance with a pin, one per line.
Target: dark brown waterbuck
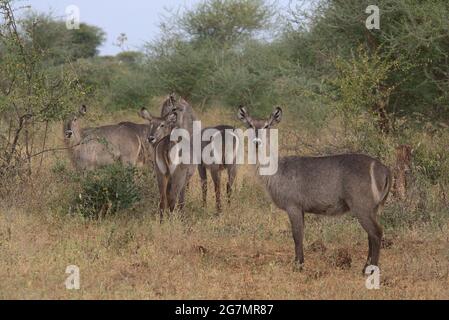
(91, 148)
(328, 185)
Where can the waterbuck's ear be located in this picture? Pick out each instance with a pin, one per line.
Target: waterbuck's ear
(244, 116)
(275, 117)
(145, 114)
(172, 98)
(83, 110)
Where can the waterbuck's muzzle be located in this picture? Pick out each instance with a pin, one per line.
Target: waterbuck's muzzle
(257, 141)
(151, 139)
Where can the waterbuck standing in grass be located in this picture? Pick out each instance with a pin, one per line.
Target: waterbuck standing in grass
(328, 185)
(185, 119)
(172, 177)
(91, 148)
(216, 168)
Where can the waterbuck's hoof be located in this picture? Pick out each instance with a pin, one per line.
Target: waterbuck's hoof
(366, 272)
(298, 266)
(364, 269)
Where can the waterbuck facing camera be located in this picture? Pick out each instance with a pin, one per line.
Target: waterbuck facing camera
(327, 185)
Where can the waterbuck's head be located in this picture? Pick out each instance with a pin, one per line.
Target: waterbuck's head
(259, 124)
(72, 126)
(159, 126)
(264, 139)
(176, 103)
(169, 104)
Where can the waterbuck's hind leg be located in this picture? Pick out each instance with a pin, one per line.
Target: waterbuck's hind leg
(182, 198)
(367, 219)
(203, 176)
(296, 217)
(178, 183)
(182, 193)
(232, 172)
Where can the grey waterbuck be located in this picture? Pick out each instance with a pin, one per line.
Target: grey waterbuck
(216, 168)
(172, 177)
(185, 118)
(90, 148)
(328, 185)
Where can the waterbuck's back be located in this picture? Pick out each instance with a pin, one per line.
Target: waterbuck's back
(223, 134)
(141, 131)
(105, 145)
(329, 185)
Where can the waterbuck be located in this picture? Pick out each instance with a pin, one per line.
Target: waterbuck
(185, 119)
(186, 114)
(172, 177)
(328, 185)
(90, 148)
(216, 168)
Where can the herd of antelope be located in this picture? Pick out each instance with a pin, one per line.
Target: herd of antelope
(327, 185)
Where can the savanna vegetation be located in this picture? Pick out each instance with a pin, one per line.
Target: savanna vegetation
(343, 88)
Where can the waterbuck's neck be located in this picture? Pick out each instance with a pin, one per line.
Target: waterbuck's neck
(267, 157)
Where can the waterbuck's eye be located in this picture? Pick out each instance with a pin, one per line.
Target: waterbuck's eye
(162, 125)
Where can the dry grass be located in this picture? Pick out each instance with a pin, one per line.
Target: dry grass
(246, 253)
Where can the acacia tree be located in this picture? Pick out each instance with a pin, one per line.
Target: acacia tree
(59, 43)
(199, 41)
(32, 94)
(225, 21)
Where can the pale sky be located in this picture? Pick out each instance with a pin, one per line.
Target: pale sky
(138, 19)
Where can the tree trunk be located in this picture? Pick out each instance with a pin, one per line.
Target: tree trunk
(402, 171)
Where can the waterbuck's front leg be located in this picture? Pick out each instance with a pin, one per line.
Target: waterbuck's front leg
(296, 217)
(203, 176)
(232, 172)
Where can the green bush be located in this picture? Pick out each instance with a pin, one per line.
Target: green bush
(107, 190)
(116, 83)
(430, 163)
(129, 89)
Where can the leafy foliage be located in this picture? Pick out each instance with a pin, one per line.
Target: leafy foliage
(225, 21)
(107, 190)
(59, 44)
(32, 93)
(412, 33)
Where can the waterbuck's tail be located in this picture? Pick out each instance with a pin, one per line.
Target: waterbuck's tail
(380, 182)
(387, 186)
